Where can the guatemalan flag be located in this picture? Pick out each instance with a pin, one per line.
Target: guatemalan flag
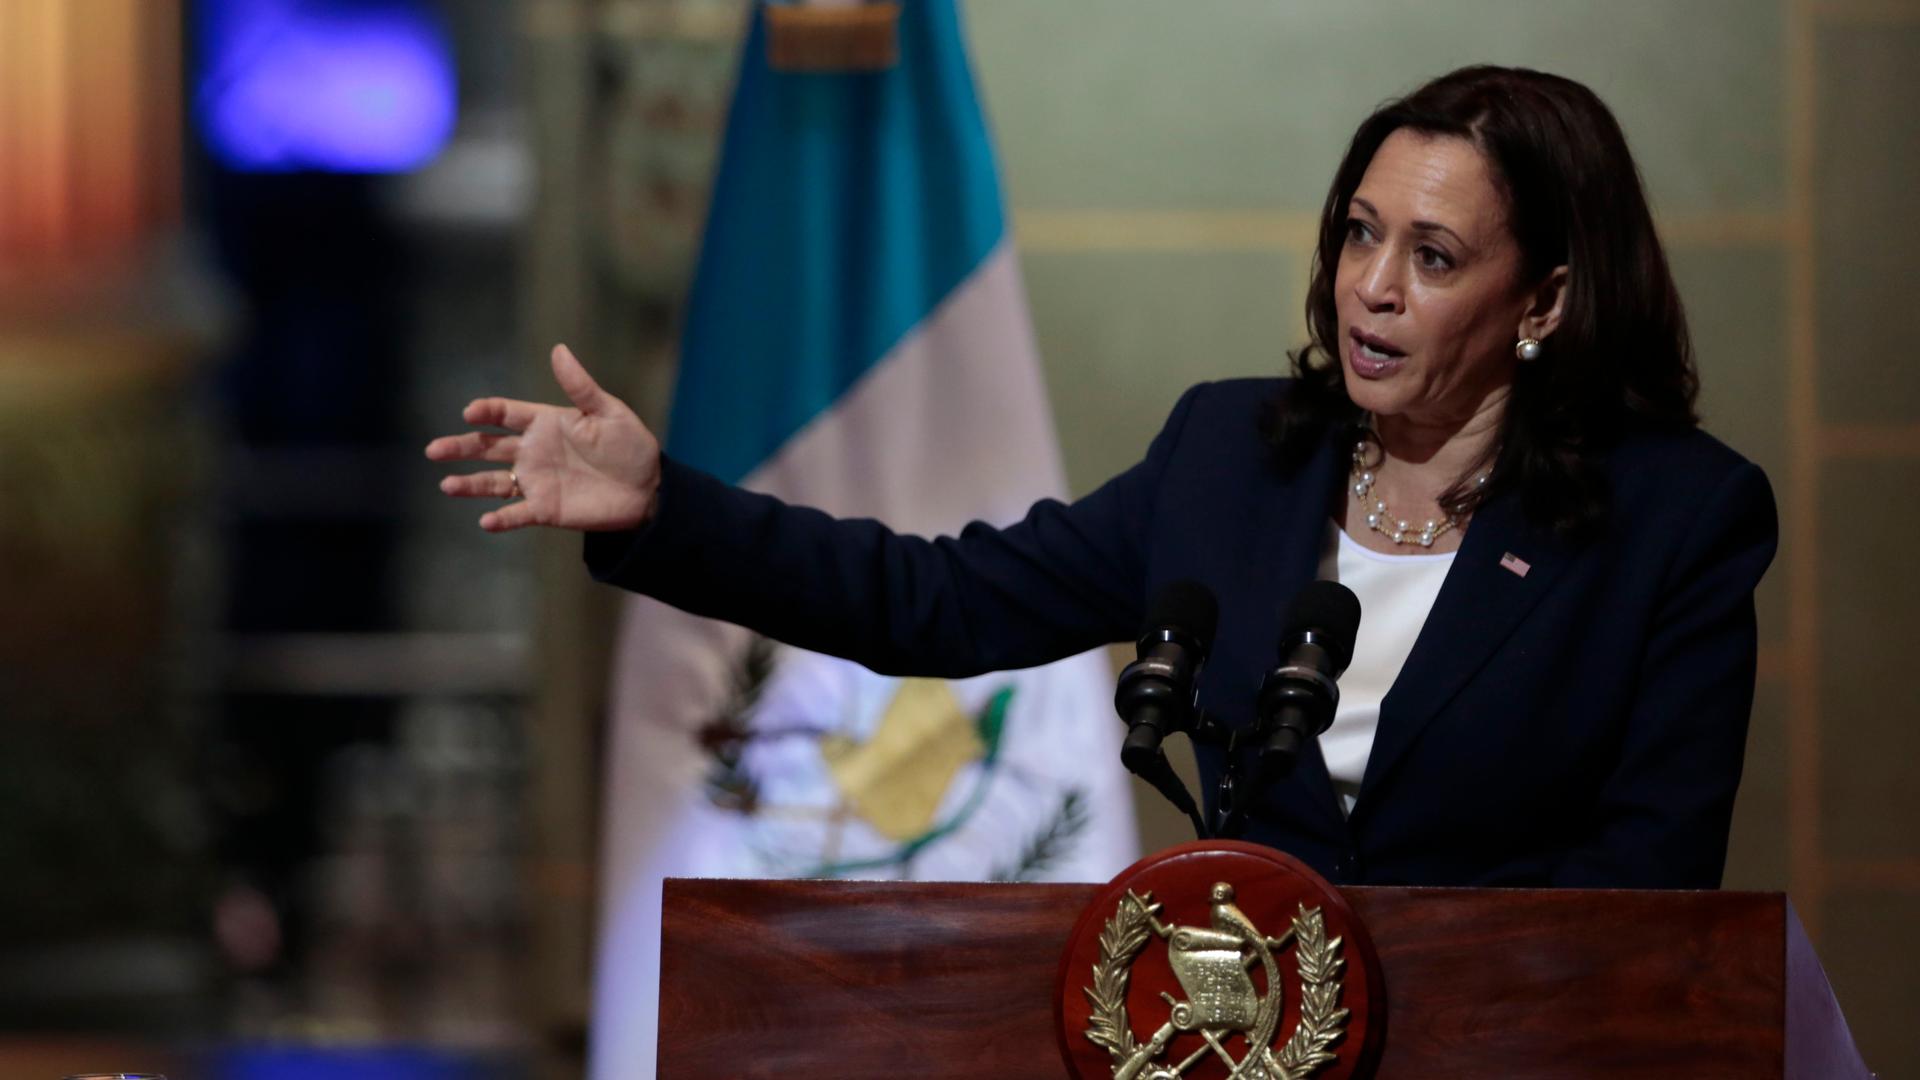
(856, 340)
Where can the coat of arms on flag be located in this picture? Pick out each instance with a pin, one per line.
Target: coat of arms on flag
(900, 765)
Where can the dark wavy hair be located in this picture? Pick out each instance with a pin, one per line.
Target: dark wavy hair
(1620, 358)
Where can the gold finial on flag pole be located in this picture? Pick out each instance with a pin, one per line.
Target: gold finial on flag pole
(826, 37)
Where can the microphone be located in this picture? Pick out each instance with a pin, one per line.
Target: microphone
(1297, 698)
(1156, 692)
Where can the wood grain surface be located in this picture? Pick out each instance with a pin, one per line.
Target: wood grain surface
(797, 979)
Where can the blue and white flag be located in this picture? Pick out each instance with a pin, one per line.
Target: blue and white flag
(857, 340)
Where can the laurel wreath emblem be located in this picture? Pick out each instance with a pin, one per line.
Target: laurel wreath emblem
(1317, 959)
(1121, 939)
(1322, 1021)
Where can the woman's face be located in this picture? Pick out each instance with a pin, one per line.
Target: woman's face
(1428, 286)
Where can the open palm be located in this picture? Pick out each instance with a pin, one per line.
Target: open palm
(592, 467)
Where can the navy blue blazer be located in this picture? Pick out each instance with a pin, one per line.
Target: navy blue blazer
(1582, 724)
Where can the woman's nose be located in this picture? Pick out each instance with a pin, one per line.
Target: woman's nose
(1378, 286)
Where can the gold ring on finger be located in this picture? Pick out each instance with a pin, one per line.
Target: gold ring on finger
(513, 482)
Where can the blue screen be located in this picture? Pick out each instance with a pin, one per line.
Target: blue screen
(354, 86)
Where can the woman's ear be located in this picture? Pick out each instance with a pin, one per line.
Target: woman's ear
(1542, 316)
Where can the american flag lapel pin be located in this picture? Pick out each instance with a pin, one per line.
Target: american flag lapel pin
(1514, 563)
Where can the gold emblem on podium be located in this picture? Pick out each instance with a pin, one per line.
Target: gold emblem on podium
(1213, 966)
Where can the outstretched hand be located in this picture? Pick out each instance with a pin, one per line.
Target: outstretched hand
(592, 467)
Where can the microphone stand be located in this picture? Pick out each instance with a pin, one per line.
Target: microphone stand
(1232, 796)
(1158, 771)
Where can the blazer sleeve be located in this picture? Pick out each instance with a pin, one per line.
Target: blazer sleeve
(1062, 580)
(1664, 812)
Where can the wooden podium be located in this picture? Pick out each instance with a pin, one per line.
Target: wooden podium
(841, 980)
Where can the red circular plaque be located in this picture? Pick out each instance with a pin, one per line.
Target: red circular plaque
(1168, 971)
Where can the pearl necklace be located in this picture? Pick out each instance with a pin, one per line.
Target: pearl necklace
(1382, 520)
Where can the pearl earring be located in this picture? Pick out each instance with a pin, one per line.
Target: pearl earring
(1528, 350)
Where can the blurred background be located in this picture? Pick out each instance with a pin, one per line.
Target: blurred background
(298, 769)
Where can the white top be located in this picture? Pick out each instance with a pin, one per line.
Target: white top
(1396, 592)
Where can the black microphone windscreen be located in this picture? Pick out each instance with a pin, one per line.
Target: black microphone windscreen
(1188, 606)
(1330, 610)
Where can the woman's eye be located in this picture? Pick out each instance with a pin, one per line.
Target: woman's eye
(1432, 258)
(1357, 231)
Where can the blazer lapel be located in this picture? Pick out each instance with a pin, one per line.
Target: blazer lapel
(1504, 567)
(1295, 520)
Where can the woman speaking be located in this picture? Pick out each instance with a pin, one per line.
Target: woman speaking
(1490, 437)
